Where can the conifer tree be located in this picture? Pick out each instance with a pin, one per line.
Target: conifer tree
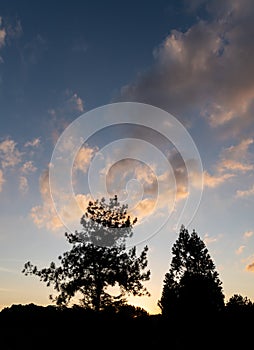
(192, 285)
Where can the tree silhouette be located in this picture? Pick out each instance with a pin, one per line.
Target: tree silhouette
(97, 260)
(192, 285)
(239, 303)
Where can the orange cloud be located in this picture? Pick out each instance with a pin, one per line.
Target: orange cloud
(83, 158)
(215, 180)
(70, 208)
(45, 215)
(245, 193)
(250, 267)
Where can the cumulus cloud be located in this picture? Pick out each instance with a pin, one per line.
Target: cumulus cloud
(10, 156)
(69, 210)
(206, 70)
(153, 189)
(2, 180)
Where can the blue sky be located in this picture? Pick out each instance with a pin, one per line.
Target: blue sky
(191, 59)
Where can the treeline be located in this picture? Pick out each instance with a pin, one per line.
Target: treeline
(36, 327)
(193, 309)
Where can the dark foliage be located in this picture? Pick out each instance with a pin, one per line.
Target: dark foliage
(32, 326)
(192, 285)
(90, 267)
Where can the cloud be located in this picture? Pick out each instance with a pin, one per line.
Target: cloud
(236, 158)
(248, 234)
(69, 106)
(240, 249)
(83, 158)
(70, 208)
(148, 188)
(245, 193)
(76, 103)
(2, 180)
(33, 143)
(45, 215)
(232, 161)
(205, 71)
(215, 180)
(8, 32)
(10, 156)
(209, 239)
(28, 167)
(250, 267)
(23, 184)
(2, 34)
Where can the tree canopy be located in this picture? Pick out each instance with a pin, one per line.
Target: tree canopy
(97, 260)
(192, 284)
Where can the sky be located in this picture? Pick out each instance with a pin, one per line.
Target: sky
(152, 100)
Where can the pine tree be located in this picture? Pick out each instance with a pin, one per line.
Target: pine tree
(97, 260)
(192, 285)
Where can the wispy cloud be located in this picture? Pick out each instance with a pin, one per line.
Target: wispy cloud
(33, 143)
(16, 158)
(45, 214)
(250, 267)
(70, 105)
(250, 263)
(245, 193)
(2, 34)
(28, 167)
(10, 156)
(248, 234)
(23, 184)
(83, 158)
(240, 249)
(2, 180)
(233, 160)
(237, 157)
(211, 239)
(215, 180)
